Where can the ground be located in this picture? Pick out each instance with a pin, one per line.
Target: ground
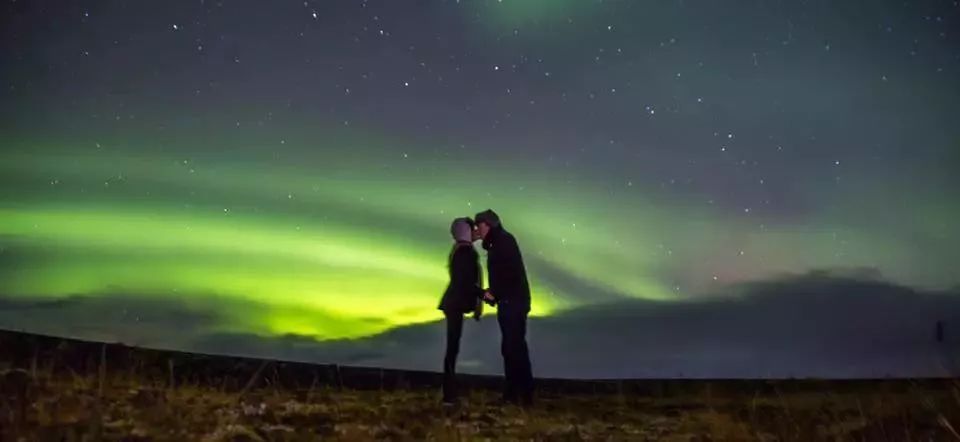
(48, 398)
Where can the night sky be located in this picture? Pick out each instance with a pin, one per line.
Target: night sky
(229, 176)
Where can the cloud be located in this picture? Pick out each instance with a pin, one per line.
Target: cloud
(813, 325)
(133, 320)
(825, 324)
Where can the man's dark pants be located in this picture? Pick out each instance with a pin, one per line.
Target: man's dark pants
(454, 330)
(516, 357)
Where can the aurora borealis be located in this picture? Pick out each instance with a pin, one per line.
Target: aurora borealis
(292, 169)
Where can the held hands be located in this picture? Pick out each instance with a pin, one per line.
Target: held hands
(478, 311)
(487, 298)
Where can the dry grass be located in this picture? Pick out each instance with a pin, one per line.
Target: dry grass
(66, 390)
(122, 406)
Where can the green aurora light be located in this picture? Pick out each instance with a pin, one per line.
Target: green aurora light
(341, 248)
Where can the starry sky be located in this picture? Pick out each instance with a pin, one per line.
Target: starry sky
(291, 168)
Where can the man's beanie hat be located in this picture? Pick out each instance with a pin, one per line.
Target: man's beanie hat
(488, 216)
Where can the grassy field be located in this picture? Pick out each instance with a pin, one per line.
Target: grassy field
(48, 396)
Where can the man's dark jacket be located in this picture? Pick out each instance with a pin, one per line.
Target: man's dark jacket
(464, 292)
(508, 277)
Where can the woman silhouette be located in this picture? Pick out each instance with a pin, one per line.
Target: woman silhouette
(463, 295)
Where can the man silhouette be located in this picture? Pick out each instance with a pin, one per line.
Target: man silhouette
(510, 290)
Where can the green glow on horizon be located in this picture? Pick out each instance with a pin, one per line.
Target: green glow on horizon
(331, 270)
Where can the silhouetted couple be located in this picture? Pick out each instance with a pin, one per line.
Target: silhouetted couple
(509, 291)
